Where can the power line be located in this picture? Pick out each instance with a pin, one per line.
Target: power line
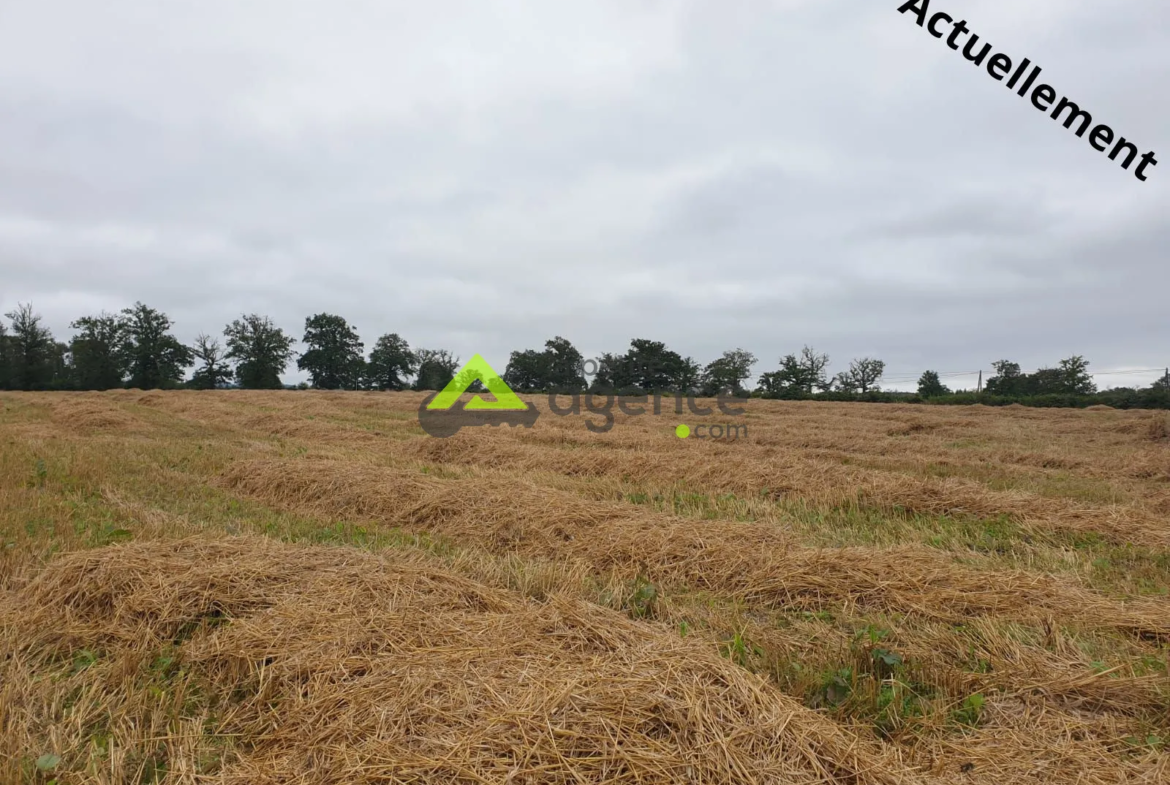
(1131, 370)
(912, 377)
(909, 377)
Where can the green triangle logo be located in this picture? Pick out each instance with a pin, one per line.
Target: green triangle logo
(477, 368)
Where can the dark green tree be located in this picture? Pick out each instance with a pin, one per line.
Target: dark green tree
(436, 367)
(527, 371)
(214, 370)
(1008, 379)
(647, 367)
(653, 368)
(556, 369)
(844, 382)
(563, 366)
(1045, 381)
(61, 367)
(334, 359)
(930, 386)
(391, 363)
(1074, 376)
(728, 373)
(688, 379)
(797, 376)
(862, 376)
(1070, 377)
(100, 352)
(5, 359)
(613, 373)
(155, 358)
(260, 350)
(33, 354)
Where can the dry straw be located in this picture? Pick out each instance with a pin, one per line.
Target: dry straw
(324, 665)
(755, 561)
(1018, 555)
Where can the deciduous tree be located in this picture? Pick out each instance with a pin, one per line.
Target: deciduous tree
(555, 369)
(100, 352)
(563, 366)
(864, 373)
(728, 373)
(5, 359)
(797, 376)
(527, 371)
(32, 351)
(155, 358)
(688, 378)
(334, 359)
(930, 386)
(647, 367)
(844, 382)
(260, 350)
(1074, 376)
(1008, 379)
(1070, 377)
(652, 367)
(391, 363)
(214, 371)
(436, 367)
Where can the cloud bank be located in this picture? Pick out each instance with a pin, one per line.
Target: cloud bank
(481, 177)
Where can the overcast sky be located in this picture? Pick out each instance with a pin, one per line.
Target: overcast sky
(481, 176)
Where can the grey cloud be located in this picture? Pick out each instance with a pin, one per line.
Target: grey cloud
(761, 175)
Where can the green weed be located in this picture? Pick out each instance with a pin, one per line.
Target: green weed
(970, 711)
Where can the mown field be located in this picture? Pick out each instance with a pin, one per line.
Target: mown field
(302, 587)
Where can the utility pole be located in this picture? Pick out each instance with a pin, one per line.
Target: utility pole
(979, 385)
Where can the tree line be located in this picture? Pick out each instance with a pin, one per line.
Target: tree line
(136, 348)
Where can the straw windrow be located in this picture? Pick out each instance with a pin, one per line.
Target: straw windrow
(341, 667)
